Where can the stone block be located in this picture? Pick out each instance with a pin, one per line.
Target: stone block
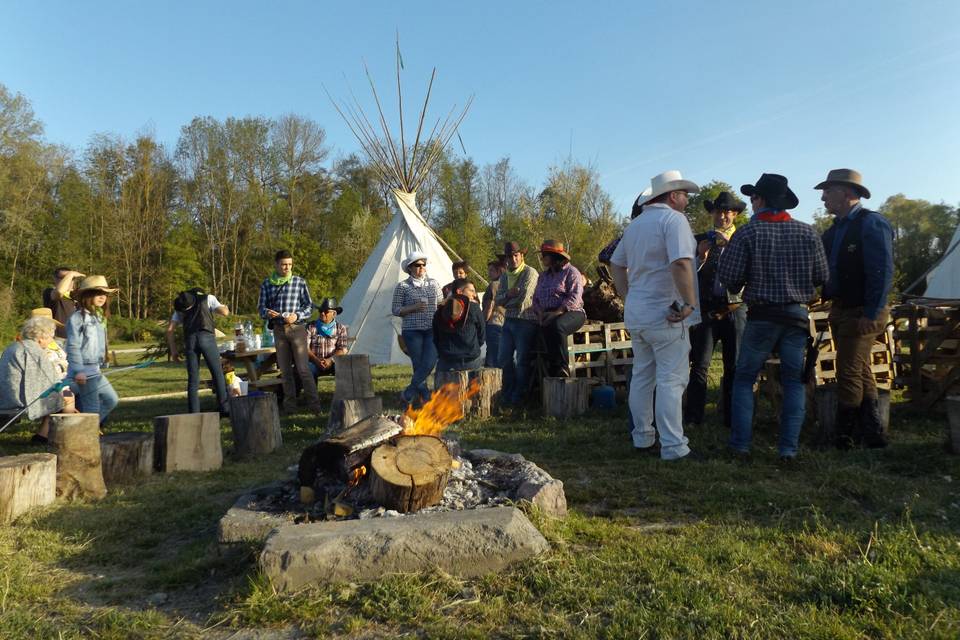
(461, 543)
(242, 523)
(187, 442)
(548, 497)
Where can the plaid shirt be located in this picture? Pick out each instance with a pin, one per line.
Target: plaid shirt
(293, 297)
(405, 294)
(777, 262)
(324, 347)
(561, 289)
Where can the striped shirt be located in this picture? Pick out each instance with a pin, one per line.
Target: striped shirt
(777, 262)
(292, 297)
(325, 346)
(406, 294)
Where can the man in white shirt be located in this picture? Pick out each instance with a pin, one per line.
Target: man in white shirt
(194, 309)
(653, 270)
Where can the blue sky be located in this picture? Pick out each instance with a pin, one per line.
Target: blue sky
(722, 90)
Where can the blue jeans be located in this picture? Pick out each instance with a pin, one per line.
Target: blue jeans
(203, 343)
(96, 396)
(760, 338)
(517, 337)
(492, 337)
(423, 356)
(458, 364)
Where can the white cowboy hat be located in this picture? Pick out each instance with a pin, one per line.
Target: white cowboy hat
(669, 181)
(413, 257)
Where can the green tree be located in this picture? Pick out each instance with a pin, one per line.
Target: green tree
(700, 219)
(921, 234)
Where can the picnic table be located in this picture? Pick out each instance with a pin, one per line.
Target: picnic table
(256, 370)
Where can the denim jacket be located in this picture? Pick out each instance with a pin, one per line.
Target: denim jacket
(86, 343)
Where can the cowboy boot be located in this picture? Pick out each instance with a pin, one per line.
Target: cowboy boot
(848, 419)
(873, 435)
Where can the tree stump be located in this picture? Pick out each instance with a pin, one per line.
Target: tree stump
(953, 423)
(459, 378)
(352, 377)
(338, 455)
(480, 405)
(411, 474)
(187, 442)
(255, 421)
(76, 439)
(346, 412)
(126, 455)
(26, 481)
(565, 397)
(825, 403)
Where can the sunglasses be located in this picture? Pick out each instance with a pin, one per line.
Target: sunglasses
(418, 265)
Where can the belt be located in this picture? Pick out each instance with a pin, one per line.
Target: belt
(784, 305)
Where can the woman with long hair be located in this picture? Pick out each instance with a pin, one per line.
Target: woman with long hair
(87, 348)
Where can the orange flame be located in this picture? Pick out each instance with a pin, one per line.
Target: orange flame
(443, 409)
(356, 476)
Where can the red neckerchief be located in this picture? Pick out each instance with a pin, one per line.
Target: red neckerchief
(774, 216)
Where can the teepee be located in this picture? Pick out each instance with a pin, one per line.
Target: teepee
(943, 281)
(368, 304)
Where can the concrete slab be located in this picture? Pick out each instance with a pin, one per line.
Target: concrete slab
(243, 523)
(462, 543)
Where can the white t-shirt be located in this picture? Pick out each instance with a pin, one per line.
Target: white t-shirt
(652, 241)
(212, 303)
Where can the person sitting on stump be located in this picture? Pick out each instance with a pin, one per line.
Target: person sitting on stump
(458, 329)
(327, 338)
(194, 309)
(558, 304)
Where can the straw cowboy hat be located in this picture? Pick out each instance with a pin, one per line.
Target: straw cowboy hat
(669, 181)
(773, 189)
(725, 201)
(846, 177)
(44, 312)
(413, 257)
(97, 283)
(554, 247)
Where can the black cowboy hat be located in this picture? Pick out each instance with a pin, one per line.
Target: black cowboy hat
(725, 201)
(185, 300)
(773, 189)
(329, 304)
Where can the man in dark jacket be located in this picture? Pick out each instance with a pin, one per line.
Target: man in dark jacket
(458, 329)
(859, 248)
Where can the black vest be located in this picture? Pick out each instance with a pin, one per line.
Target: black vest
(198, 317)
(850, 286)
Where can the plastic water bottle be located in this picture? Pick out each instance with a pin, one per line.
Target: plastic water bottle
(267, 335)
(248, 331)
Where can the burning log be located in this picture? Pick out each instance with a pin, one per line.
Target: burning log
(350, 448)
(411, 474)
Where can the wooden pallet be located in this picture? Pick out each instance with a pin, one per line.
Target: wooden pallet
(927, 340)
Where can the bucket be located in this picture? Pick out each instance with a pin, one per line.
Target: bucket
(604, 397)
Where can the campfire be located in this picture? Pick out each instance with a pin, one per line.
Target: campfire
(399, 463)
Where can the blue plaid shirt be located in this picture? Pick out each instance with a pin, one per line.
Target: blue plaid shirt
(293, 297)
(777, 262)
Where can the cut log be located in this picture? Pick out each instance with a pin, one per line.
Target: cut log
(338, 455)
(26, 481)
(481, 405)
(75, 438)
(187, 442)
(126, 455)
(346, 412)
(352, 377)
(255, 421)
(459, 378)
(565, 397)
(411, 474)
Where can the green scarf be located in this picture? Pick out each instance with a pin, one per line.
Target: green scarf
(513, 275)
(278, 280)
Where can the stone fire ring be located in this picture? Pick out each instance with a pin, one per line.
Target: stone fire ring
(462, 543)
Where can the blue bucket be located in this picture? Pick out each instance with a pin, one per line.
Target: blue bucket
(604, 397)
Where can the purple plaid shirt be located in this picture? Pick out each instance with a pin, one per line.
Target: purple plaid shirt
(324, 347)
(561, 289)
(776, 262)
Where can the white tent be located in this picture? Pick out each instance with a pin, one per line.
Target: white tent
(367, 305)
(944, 280)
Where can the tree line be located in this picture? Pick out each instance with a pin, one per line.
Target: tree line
(212, 210)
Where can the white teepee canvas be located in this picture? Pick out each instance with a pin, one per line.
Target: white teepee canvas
(944, 280)
(368, 304)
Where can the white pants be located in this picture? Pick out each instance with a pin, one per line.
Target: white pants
(661, 361)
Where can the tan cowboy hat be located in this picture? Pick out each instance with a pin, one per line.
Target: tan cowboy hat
(98, 283)
(669, 181)
(44, 312)
(847, 177)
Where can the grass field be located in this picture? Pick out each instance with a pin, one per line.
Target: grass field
(861, 544)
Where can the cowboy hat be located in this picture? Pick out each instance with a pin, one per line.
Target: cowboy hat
(773, 189)
(847, 177)
(554, 247)
(95, 283)
(44, 312)
(510, 248)
(669, 181)
(413, 257)
(725, 201)
(328, 304)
